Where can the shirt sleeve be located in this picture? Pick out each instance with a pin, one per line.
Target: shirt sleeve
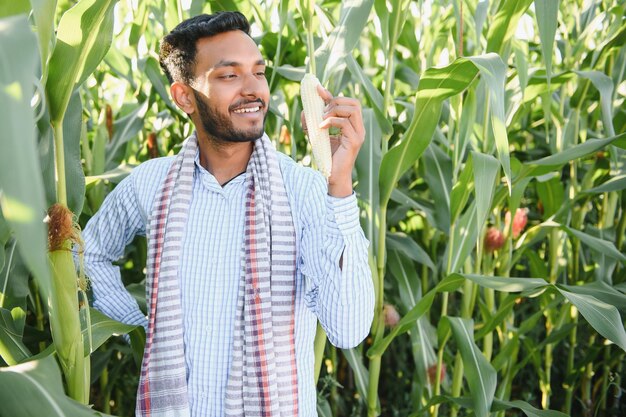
(342, 297)
(106, 236)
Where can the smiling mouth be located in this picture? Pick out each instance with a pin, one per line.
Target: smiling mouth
(247, 110)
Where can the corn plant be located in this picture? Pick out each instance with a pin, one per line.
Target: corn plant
(491, 185)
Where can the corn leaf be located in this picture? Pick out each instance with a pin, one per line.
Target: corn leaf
(486, 169)
(504, 23)
(506, 284)
(367, 166)
(74, 174)
(29, 388)
(462, 190)
(436, 85)
(480, 375)
(600, 245)
(616, 183)
(450, 283)
(436, 169)
(546, 12)
(463, 238)
(361, 374)
(353, 17)
(603, 317)
(493, 72)
(43, 12)
(15, 7)
(526, 408)
(21, 187)
(553, 162)
(602, 291)
(83, 38)
(102, 328)
(12, 349)
(404, 244)
(604, 84)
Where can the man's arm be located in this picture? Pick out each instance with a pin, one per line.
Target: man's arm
(106, 236)
(339, 287)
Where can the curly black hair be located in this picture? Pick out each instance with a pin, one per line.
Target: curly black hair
(178, 49)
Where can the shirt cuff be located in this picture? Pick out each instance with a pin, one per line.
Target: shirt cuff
(343, 214)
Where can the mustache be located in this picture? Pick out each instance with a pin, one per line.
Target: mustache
(244, 102)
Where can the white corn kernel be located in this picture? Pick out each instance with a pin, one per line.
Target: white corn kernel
(313, 106)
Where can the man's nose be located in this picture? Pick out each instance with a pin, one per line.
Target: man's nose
(253, 85)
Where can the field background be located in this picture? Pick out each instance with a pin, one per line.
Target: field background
(491, 185)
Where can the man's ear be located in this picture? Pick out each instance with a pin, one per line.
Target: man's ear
(183, 97)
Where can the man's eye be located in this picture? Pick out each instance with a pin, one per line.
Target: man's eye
(228, 76)
(261, 73)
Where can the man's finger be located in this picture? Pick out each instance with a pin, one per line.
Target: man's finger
(324, 94)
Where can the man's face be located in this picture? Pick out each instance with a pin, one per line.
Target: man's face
(230, 88)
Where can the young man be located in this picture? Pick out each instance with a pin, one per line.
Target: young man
(247, 249)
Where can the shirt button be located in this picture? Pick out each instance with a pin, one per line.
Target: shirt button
(208, 328)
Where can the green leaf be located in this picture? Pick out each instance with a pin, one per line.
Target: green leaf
(520, 49)
(527, 409)
(43, 12)
(436, 169)
(603, 246)
(480, 375)
(616, 183)
(367, 167)
(344, 37)
(29, 388)
(554, 162)
(551, 193)
(370, 91)
(602, 291)
(604, 84)
(407, 322)
(506, 284)
(403, 270)
(361, 375)
(486, 169)
(436, 85)
(493, 72)
(83, 38)
(462, 190)
(102, 328)
(125, 129)
(21, 187)
(601, 316)
(504, 24)
(14, 7)
(74, 174)
(159, 81)
(12, 349)
(115, 175)
(547, 12)
(462, 239)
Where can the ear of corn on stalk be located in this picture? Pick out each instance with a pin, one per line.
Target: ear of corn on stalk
(313, 106)
(65, 322)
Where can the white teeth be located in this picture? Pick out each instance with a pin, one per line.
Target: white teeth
(249, 110)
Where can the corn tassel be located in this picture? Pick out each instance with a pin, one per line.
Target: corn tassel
(313, 111)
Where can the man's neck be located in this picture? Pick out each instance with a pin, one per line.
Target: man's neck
(224, 160)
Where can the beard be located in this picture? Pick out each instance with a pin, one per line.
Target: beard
(219, 127)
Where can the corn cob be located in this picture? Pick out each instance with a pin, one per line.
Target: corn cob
(313, 110)
(63, 302)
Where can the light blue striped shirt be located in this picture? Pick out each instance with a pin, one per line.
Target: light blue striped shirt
(326, 227)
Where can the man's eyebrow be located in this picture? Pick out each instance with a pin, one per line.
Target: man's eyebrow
(224, 63)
